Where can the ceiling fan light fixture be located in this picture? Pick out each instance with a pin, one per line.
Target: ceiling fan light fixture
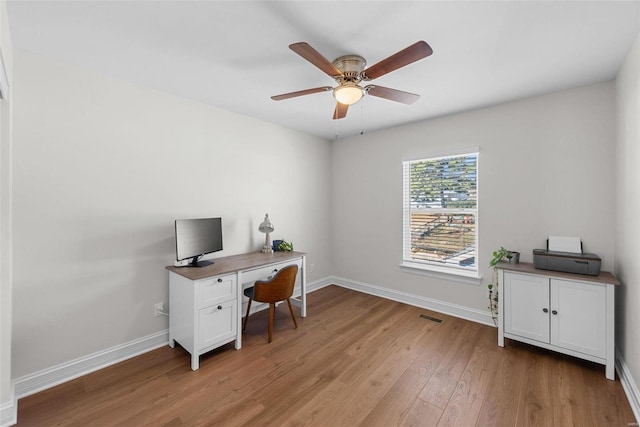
(348, 94)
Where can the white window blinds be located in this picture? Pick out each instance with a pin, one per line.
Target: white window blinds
(440, 209)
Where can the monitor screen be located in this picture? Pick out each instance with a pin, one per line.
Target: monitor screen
(198, 237)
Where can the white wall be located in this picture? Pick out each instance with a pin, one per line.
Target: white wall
(102, 168)
(7, 404)
(628, 200)
(546, 167)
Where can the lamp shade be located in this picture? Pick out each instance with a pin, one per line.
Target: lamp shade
(266, 226)
(348, 93)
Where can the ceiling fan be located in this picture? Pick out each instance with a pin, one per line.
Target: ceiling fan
(349, 70)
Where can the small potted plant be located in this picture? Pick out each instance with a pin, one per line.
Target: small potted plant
(285, 246)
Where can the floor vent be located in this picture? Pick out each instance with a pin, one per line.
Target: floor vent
(433, 319)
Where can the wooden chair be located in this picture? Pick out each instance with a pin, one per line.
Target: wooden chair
(277, 288)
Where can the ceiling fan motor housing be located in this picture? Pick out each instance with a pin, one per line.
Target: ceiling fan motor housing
(351, 67)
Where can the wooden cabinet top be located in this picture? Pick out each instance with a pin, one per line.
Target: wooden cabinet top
(234, 263)
(526, 267)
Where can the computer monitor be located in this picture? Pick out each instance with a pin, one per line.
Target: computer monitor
(198, 237)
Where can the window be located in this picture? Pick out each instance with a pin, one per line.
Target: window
(440, 212)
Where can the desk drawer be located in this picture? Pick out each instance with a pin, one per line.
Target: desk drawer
(267, 271)
(217, 324)
(215, 290)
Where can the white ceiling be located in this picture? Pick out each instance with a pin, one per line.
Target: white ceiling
(235, 55)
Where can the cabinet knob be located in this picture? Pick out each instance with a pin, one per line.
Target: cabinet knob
(219, 307)
(275, 270)
(546, 310)
(554, 312)
(219, 280)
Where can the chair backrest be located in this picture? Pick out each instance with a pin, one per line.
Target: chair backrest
(278, 288)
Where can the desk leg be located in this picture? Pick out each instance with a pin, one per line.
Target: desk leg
(303, 288)
(239, 295)
(195, 362)
(499, 288)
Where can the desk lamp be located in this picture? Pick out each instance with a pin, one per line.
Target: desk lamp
(266, 227)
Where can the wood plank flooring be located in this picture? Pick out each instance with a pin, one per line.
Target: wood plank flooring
(355, 360)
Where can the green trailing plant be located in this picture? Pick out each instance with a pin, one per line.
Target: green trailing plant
(501, 255)
(285, 246)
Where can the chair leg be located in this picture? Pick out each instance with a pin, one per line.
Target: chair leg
(291, 311)
(246, 317)
(272, 312)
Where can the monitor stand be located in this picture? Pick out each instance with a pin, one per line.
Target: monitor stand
(195, 263)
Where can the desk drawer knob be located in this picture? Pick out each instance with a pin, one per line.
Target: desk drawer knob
(219, 280)
(275, 270)
(219, 307)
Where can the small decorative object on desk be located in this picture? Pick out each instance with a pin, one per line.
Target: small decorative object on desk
(285, 246)
(266, 227)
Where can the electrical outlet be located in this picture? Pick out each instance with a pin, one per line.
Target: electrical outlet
(158, 309)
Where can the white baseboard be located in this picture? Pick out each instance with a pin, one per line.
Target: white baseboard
(9, 409)
(319, 284)
(629, 385)
(59, 374)
(474, 315)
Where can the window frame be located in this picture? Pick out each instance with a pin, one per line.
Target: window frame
(434, 268)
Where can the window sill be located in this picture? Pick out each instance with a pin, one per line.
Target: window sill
(461, 276)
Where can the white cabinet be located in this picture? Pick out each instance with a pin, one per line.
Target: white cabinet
(561, 312)
(204, 313)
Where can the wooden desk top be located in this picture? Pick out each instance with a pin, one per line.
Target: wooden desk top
(233, 263)
(527, 267)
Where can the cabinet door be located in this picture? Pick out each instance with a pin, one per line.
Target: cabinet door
(217, 323)
(526, 306)
(578, 319)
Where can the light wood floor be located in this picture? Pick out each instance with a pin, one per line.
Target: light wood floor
(355, 360)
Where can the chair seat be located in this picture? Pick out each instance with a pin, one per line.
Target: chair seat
(249, 292)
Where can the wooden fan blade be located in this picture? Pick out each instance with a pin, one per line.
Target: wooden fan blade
(406, 56)
(310, 54)
(301, 93)
(392, 94)
(340, 112)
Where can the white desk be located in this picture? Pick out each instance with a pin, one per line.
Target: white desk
(206, 303)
